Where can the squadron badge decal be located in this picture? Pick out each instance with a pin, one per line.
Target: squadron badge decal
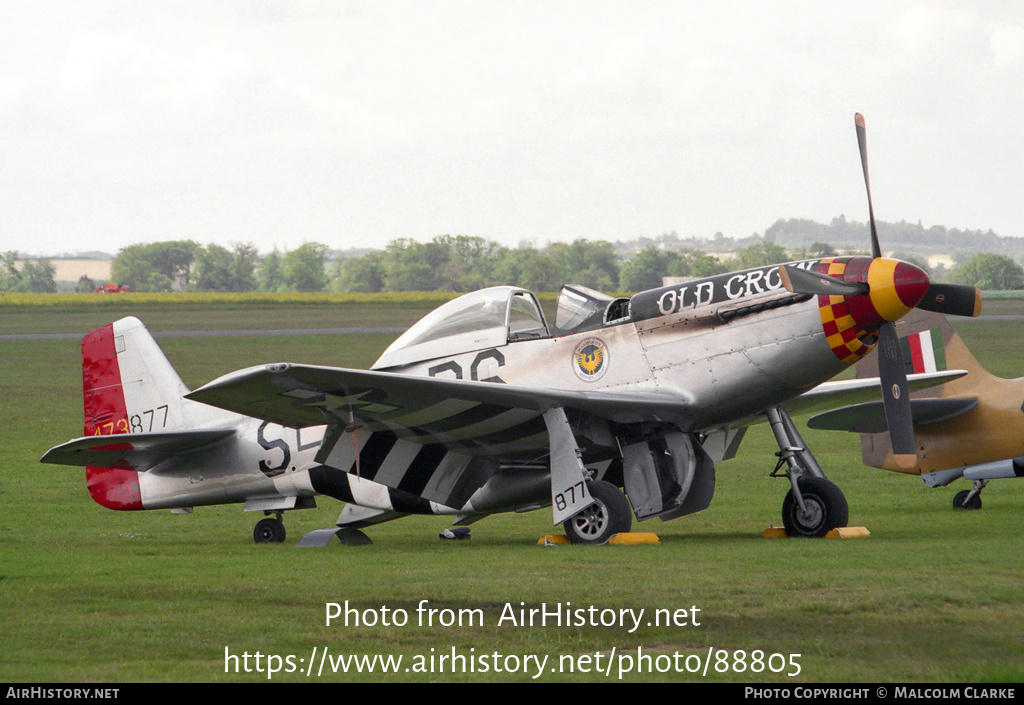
(590, 360)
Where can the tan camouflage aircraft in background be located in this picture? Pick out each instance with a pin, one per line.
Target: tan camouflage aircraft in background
(971, 427)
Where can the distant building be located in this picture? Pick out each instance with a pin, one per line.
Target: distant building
(71, 270)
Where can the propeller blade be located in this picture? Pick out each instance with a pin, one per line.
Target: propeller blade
(862, 142)
(896, 397)
(952, 299)
(804, 281)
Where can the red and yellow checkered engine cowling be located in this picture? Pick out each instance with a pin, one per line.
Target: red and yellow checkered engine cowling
(851, 322)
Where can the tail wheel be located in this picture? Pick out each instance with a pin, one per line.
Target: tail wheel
(269, 530)
(610, 514)
(825, 508)
(960, 501)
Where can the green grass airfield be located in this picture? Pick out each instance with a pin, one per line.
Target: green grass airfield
(91, 595)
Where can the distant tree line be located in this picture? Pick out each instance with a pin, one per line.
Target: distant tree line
(446, 263)
(185, 265)
(463, 263)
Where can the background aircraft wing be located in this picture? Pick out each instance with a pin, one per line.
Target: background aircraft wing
(852, 401)
(430, 408)
(869, 417)
(847, 392)
(132, 451)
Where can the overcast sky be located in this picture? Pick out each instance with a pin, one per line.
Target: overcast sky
(353, 123)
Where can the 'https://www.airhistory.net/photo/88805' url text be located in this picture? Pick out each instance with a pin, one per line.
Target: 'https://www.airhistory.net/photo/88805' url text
(613, 663)
(617, 662)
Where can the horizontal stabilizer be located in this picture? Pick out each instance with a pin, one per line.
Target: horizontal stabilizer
(132, 451)
(870, 416)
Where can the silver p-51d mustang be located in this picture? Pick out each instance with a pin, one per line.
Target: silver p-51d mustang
(484, 406)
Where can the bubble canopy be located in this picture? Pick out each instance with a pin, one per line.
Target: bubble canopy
(483, 319)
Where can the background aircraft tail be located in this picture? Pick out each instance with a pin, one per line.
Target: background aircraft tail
(967, 421)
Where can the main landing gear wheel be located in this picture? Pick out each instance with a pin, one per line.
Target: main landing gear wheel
(960, 501)
(269, 530)
(825, 508)
(610, 514)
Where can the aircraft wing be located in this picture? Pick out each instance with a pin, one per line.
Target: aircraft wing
(869, 417)
(132, 451)
(436, 409)
(430, 409)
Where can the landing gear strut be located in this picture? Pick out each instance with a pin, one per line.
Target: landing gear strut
(269, 530)
(814, 505)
